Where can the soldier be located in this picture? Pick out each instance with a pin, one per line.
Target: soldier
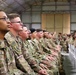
(29, 53)
(15, 44)
(5, 51)
(48, 50)
(4, 27)
(42, 57)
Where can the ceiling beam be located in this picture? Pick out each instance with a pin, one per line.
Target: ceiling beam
(20, 4)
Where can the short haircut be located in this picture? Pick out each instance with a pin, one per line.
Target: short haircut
(38, 30)
(13, 15)
(44, 30)
(1, 10)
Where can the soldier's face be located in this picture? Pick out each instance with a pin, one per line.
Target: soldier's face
(40, 34)
(34, 34)
(25, 33)
(46, 34)
(16, 24)
(4, 22)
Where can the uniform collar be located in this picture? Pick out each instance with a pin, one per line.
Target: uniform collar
(2, 44)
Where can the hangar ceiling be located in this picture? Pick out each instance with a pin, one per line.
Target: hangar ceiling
(23, 5)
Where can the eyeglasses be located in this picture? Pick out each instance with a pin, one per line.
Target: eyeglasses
(4, 18)
(17, 22)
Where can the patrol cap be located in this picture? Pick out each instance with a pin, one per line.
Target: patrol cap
(32, 30)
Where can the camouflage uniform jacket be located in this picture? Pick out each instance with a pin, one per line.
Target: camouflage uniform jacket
(52, 43)
(27, 52)
(3, 64)
(38, 48)
(49, 45)
(44, 45)
(19, 62)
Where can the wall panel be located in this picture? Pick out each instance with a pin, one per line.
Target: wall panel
(66, 23)
(36, 17)
(50, 30)
(43, 21)
(48, 8)
(58, 30)
(66, 20)
(58, 20)
(73, 26)
(66, 30)
(73, 17)
(50, 21)
(36, 26)
(26, 17)
(63, 7)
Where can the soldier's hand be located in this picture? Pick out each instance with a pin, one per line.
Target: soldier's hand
(33, 62)
(43, 66)
(50, 58)
(43, 72)
(58, 47)
(54, 53)
(45, 62)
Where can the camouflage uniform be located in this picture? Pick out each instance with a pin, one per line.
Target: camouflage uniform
(35, 53)
(46, 47)
(3, 64)
(30, 58)
(74, 42)
(52, 43)
(39, 49)
(52, 47)
(19, 60)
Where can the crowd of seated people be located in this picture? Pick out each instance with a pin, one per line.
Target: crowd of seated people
(30, 52)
